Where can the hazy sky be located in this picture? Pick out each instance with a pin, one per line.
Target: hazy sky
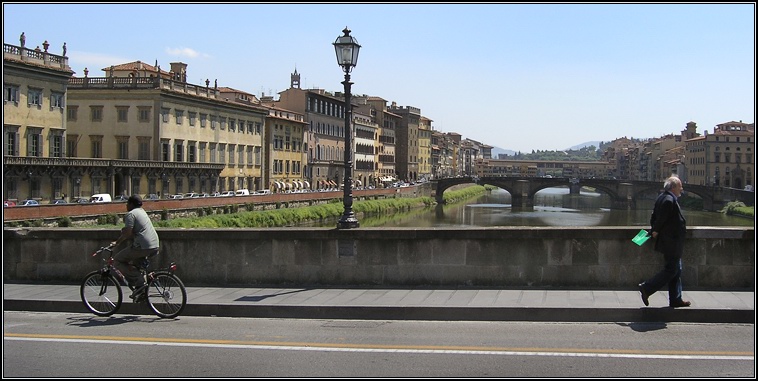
(521, 77)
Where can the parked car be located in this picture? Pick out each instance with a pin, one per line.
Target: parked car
(242, 192)
(262, 192)
(8, 203)
(100, 197)
(203, 195)
(215, 194)
(59, 201)
(80, 200)
(176, 197)
(191, 195)
(120, 198)
(227, 194)
(151, 196)
(29, 202)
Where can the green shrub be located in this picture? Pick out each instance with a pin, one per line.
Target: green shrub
(108, 219)
(64, 222)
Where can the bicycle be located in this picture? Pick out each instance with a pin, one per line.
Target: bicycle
(102, 295)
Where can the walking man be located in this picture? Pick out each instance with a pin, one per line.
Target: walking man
(668, 227)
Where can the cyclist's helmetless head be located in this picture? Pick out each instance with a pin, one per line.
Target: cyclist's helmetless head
(134, 201)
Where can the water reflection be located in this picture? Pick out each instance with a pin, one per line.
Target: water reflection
(552, 207)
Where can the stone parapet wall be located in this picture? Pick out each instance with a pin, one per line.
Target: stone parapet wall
(500, 257)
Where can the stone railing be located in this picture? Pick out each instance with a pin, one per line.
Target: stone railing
(501, 257)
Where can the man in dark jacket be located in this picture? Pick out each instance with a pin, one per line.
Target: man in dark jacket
(668, 227)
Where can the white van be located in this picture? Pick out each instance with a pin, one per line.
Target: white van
(262, 192)
(101, 197)
(242, 192)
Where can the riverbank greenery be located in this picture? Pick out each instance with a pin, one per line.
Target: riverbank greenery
(738, 208)
(331, 210)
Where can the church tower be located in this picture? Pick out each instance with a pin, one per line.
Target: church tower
(295, 80)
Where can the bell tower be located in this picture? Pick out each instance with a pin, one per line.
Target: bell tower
(295, 80)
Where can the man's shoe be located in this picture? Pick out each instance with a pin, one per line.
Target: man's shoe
(644, 294)
(680, 303)
(139, 292)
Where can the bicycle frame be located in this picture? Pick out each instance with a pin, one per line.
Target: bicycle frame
(110, 267)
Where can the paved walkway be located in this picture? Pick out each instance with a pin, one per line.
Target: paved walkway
(415, 304)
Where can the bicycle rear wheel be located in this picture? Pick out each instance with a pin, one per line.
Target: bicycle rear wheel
(101, 293)
(166, 295)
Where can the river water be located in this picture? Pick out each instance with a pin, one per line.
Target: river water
(552, 207)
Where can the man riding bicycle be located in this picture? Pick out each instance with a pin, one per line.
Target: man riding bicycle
(139, 228)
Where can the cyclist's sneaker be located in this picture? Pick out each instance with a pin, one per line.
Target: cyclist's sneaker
(139, 293)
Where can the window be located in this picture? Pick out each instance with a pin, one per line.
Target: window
(122, 143)
(96, 113)
(143, 148)
(71, 143)
(214, 122)
(123, 113)
(223, 123)
(179, 151)
(35, 97)
(212, 156)
(221, 153)
(56, 100)
(144, 114)
(56, 143)
(34, 142)
(257, 156)
(164, 114)
(203, 119)
(165, 151)
(11, 93)
(179, 116)
(240, 155)
(202, 152)
(232, 125)
(192, 118)
(11, 141)
(231, 154)
(191, 152)
(72, 113)
(96, 146)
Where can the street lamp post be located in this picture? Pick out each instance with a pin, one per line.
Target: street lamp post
(347, 49)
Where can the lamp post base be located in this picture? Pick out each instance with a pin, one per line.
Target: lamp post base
(349, 222)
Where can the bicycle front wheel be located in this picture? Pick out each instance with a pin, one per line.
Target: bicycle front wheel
(166, 295)
(101, 293)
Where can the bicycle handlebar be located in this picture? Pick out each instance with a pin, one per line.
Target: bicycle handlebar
(104, 248)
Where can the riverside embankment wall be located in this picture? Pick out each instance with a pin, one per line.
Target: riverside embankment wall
(540, 257)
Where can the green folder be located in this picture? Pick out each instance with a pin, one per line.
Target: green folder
(641, 237)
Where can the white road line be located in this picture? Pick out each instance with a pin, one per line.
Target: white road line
(396, 350)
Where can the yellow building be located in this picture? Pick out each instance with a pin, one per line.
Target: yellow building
(724, 158)
(424, 148)
(34, 123)
(162, 134)
(286, 151)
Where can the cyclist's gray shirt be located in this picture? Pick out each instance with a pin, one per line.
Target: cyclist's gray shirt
(145, 236)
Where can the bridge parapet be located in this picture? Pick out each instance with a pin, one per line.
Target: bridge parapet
(623, 194)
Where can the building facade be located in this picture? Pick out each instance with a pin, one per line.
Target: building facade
(168, 136)
(35, 84)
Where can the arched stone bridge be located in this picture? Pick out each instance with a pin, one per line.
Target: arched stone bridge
(623, 194)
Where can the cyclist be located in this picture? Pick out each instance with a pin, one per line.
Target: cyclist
(139, 228)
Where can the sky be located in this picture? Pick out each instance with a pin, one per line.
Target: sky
(520, 77)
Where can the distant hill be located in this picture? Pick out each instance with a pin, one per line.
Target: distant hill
(585, 144)
(497, 150)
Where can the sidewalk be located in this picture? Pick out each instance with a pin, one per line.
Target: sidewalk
(414, 304)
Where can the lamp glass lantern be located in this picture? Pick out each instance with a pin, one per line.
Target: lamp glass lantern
(347, 49)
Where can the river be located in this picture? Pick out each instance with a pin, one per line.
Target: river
(552, 207)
